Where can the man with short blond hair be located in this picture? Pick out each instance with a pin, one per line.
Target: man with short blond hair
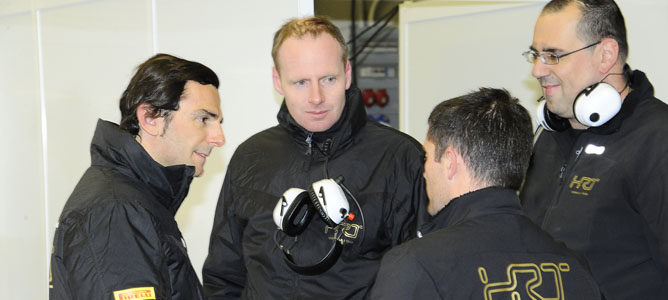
(323, 132)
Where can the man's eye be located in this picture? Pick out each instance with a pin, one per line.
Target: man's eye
(328, 80)
(203, 119)
(300, 83)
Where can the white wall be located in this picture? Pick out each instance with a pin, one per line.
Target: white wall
(65, 64)
(448, 48)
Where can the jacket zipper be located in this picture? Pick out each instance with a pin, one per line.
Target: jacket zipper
(309, 140)
(568, 166)
(565, 166)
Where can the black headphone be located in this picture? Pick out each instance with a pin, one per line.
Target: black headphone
(296, 208)
(592, 107)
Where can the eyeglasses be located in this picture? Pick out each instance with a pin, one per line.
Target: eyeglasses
(550, 58)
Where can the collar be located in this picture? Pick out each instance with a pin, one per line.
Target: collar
(115, 148)
(486, 201)
(353, 118)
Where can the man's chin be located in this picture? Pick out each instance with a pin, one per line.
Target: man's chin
(319, 126)
(198, 171)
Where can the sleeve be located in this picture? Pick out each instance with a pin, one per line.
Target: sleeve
(224, 273)
(112, 249)
(409, 203)
(652, 203)
(402, 276)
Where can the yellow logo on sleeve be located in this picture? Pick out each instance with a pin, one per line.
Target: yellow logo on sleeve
(140, 293)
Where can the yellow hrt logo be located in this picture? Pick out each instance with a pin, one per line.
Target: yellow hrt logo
(546, 273)
(582, 185)
(349, 231)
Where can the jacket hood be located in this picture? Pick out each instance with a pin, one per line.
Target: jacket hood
(490, 200)
(117, 149)
(353, 118)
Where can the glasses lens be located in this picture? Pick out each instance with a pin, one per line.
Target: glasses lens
(530, 56)
(550, 59)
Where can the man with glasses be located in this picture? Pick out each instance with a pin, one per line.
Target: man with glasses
(602, 189)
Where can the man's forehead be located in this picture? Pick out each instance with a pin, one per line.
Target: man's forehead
(200, 99)
(556, 31)
(428, 144)
(295, 43)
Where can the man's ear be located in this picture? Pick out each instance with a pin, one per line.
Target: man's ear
(349, 79)
(450, 160)
(148, 124)
(609, 54)
(277, 81)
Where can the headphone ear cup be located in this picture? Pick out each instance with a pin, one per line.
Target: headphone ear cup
(318, 207)
(293, 211)
(329, 201)
(549, 120)
(597, 104)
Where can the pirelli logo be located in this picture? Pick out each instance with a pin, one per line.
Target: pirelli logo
(140, 293)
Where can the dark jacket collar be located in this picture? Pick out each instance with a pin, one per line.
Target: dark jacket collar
(117, 149)
(340, 134)
(486, 201)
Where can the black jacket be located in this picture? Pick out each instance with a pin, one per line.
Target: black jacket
(482, 246)
(604, 192)
(382, 168)
(117, 230)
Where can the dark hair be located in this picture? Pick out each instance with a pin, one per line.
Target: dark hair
(160, 82)
(491, 131)
(600, 19)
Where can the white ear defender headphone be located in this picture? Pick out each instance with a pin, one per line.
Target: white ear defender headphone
(293, 212)
(296, 208)
(331, 204)
(592, 107)
(597, 104)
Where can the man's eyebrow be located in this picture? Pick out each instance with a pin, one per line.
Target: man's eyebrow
(550, 50)
(209, 113)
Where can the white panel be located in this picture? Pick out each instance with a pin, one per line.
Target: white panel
(646, 26)
(89, 53)
(233, 38)
(22, 229)
(305, 8)
(464, 48)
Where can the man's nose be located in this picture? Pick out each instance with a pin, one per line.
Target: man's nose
(315, 96)
(539, 69)
(217, 137)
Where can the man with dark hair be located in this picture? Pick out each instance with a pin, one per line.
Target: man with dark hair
(323, 131)
(117, 237)
(479, 244)
(598, 178)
